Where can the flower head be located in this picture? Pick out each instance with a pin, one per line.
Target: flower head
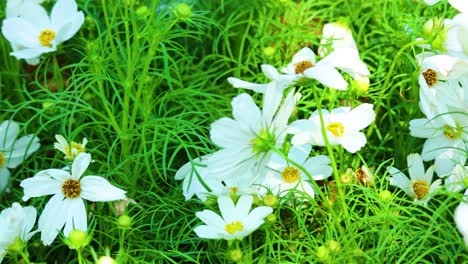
(34, 32)
(236, 221)
(69, 190)
(342, 127)
(419, 186)
(461, 214)
(70, 150)
(13, 151)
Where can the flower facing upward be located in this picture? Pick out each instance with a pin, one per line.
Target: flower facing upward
(419, 186)
(66, 207)
(235, 222)
(13, 151)
(70, 150)
(16, 223)
(34, 32)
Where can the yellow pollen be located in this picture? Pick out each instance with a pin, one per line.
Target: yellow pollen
(302, 66)
(420, 188)
(451, 133)
(234, 189)
(336, 128)
(233, 227)
(290, 174)
(46, 37)
(2, 159)
(430, 76)
(71, 188)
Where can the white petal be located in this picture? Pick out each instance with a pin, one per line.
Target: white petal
(300, 153)
(435, 146)
(205, 231)
(52, 219)
(416, 167)
(45, 182)
(353, 141)
(246, 112)
(347, 60)
(8, 132)
(22, 149)
(75, 216)
(98, 189)
(227, 208)
(21, 32)
(4, 178)
(226, 132)
(238, 83)
(361, 116)
(400, 180)
(461, 214)
(68, 30)
(80, 164)
(211, 219)
(327, 76)
(30, 215)
(422, 128)
(243, 206)
(305, 54)
(460, 5)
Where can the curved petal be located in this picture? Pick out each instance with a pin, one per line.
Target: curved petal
(68, 30)
(21, 32)
(400, 180)
(422, 128)
(4, 178)
(211, 219)
(30, 215)
(305, 54)
(226, 206)
(80, 164)
(353, 141)
(205, 231)
(238, 83)
(243, 206)
(416, 167)
(45, 182)
(347, 60)
(225, 133)
(8, 132)
(360, 117)
(98, 189)
(52, 219)
(246, 112)
(75, 216)
(327, 76)
(435, 146)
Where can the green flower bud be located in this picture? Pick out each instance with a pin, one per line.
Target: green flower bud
(385, 195)
(124, 221)
(77, 239)
(183, 11)
(270, 200)
(269, 51)
(142, 11)
(333, 245)
(236, 255)
(322, 252)
(271, 218)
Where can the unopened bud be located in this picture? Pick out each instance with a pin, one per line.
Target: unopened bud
(271, 218)
(236, 255)
(385, 195)
(322, 252)
(333, 245)
(124, 221)
(269, 51)
(183, 11)
(77, 239)
(270, 200)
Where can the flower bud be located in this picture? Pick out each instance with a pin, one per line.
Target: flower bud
(333, 245)
(124, 221)
(142, 11)
(183, 11)
(432, 26)
(269, 51)
(106, 260)
(322, 252)
(236, 255)
(77, 239)
(385, 195)
(270, 200)
(271, 218)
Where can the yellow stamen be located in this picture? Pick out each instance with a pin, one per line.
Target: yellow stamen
(46, 37)
(451, 133)
(233, 227)
(420, 188)
(71, 188)
(336, 128)
(430, 76)
(302, 66)
(2, 159)
(290, 174)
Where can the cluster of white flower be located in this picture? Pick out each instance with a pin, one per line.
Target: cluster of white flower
(252, 160)
(443, 85)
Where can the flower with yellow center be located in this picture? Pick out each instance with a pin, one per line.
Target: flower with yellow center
(419, 185)
(32, 32)
(69, 190)
(284, 176)
(236, 221)
(70, 150)
(342, 127)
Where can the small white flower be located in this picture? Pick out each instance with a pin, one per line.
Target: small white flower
(285, 176)
(35, 33)
(16, 222)
(342, 127)
(235, 222)
(13, 151)
(70, 150)
(67, 207)
(419, 186)
(458, 179)
(461, 216)
(336, 35)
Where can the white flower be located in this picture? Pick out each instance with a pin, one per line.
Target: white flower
(446, 140)
(16, 8)
(325, 71)
(342, 127)
(246, 139)
(458, 179)
(66, 207)
(235, 222)
(461, 216)
(35, 33)
(16, 222)
(13, 151)
(418, 186)
(286, 176)
(70, 150)
(336, 35)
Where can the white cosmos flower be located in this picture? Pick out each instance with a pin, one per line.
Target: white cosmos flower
(235, 222)
(325, 71)
(71, 150)
(285, 176)
(461, 216)
(13, 151)
(16, 222)
(342, 127)
(245, 140)
(458, 179)
(419, 185)
(446, 140)
(35, 33)
(69, 190)
(16, 8)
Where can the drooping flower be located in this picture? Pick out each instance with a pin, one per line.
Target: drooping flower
(70, 150)
(419, 185)
(69, 190)
(236, 221)
(13, 151)
(35, 33)
(285, 176)
(342, 127)
(458, 179)
(461, 215)
(16, 224)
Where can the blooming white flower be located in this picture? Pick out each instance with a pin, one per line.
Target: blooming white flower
(246, 140)
(446, 140)
(235, 222)
(69, 190)
(342, 127)
(16, 222)
(458, 179)
(419, 186)
(16, 8)
(70, 150)
(35, 33)
(325, 71)
(461, 216)
(285, 176)
(13, 151)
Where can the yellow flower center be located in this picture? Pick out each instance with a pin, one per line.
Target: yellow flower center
(71, 188)
(73, 150)
(336, 128)
(46, 37)
(2, 159)
(234, 189)
(451, 133)
(290, 174)
(262, 142)
(420, 188)
(430, 76)
(302, 66)
(233, 227)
